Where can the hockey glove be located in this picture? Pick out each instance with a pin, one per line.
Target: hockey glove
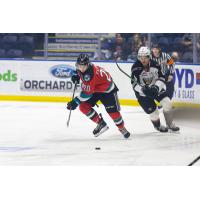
(154, 91)
(72, 105)
(75, 79)
(151, 91)
(146, 90)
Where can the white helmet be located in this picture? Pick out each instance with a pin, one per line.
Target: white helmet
(144, 51)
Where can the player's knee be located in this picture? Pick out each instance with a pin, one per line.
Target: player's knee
(85, 107)
(154, 115)
(115, 114)
(111, 109)
(149, 109)
(166, 104)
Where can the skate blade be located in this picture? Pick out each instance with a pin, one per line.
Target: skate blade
(102, 131)
(127, 138)
(164, 131)
(175, 132)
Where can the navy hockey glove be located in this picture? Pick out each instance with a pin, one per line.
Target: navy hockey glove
(75, 79)
(72, 105)
(146, 90)
(154, 91)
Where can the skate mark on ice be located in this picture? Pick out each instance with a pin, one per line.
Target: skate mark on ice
(94, 140)
(15, 149)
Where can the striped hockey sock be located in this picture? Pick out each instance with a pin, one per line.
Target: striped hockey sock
(87, 109)
(93, 115)
(117, 118)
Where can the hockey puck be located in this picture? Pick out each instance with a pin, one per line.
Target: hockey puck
(97, 148)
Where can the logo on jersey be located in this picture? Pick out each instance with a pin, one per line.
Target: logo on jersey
(87, 77)
(147, 78)
(62, 71)
(85, 88)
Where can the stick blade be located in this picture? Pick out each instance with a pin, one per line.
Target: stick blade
(67, 123)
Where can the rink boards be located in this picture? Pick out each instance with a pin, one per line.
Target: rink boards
(50, 81)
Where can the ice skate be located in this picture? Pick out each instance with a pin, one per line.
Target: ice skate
(161, 128)
(125, 133)
(157, 125)
(101, 128)
(174, 129)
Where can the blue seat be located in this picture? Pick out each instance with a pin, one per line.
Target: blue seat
(198, 58)
(164, 44)
(178, 40)
(178, 44)
(187, 57)
(158, 35)
(8, 41)
(2, 53)
(14, 53)
(26, 43)
(26, 39)
(163, 41)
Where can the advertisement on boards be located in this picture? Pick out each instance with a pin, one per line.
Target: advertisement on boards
(187, 83)
(50, 77)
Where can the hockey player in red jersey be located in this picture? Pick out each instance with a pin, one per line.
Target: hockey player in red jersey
(97, 84)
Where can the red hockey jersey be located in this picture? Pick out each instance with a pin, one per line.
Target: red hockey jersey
(95, 79)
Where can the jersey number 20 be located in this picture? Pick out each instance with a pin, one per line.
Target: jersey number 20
(102, 72)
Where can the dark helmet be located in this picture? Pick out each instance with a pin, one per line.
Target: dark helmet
(83, 59)
(156, 45)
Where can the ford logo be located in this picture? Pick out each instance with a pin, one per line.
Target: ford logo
(62, 71)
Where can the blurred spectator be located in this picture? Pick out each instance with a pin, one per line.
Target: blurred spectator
(122, 47)
(106, 50)
(198, 47)
(132, 57)
(136, 42)
(198, 42)
(126, 36)
(119, 39)
(117, 55)
(144, 40)
(187, 42)
(175, 56)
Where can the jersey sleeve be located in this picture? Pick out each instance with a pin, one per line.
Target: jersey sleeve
(134, 80)
(84, 97)
(171, 64)
(160, 82)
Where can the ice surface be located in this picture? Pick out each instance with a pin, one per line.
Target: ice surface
(36, 134)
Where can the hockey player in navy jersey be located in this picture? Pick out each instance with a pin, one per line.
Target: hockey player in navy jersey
(149, 84)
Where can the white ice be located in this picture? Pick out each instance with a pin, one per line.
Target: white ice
(36, 134)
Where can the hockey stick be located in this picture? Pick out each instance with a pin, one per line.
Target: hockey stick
(122, 70)
(194, 161)
(71, 109)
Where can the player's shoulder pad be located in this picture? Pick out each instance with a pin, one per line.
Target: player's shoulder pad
(136, 66)
(154, 64)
